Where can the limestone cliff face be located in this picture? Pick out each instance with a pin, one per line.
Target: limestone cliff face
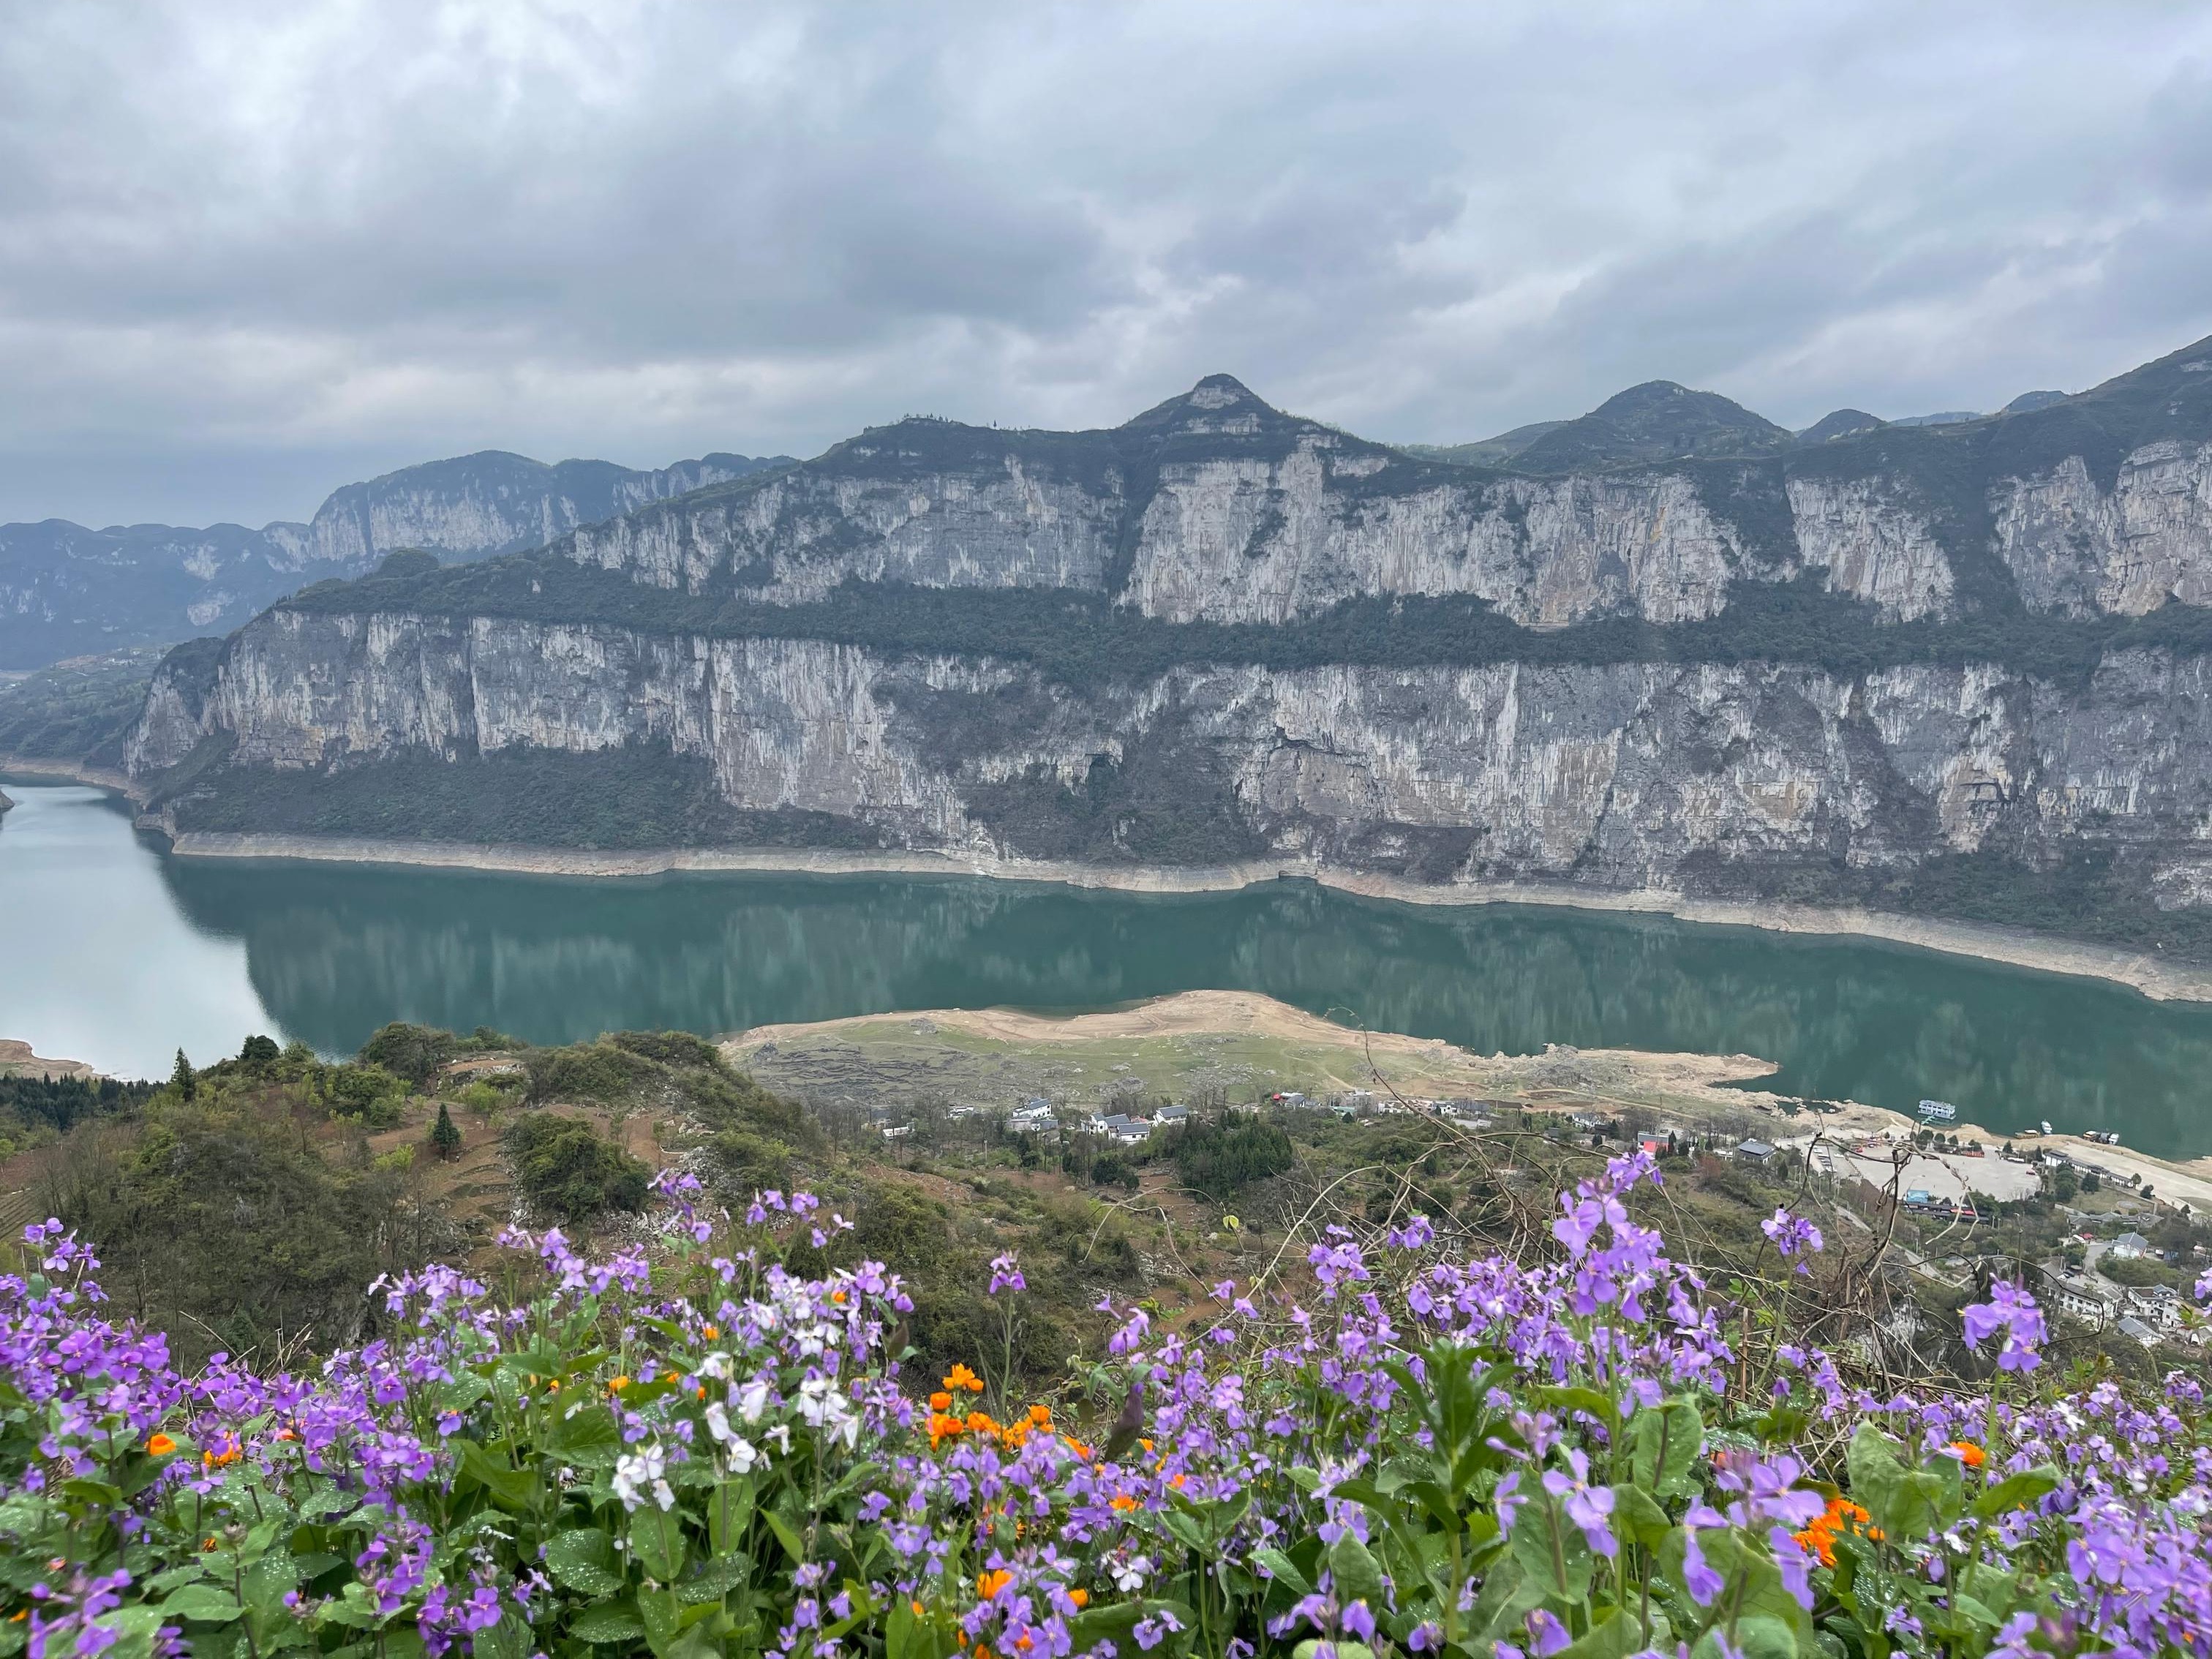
(1216, 507)
(1630, 775)
(2127, 548)
(1263, 648)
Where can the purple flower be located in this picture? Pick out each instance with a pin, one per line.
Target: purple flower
(1006, 1274)
(2013, 1311)
(1792, 1235)
(1698, 1574)
(1589, 1507)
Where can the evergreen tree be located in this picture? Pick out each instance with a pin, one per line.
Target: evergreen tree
(182, 1079)
(444, 1136)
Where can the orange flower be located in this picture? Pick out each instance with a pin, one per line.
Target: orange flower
(838, 1296)
(1124, 1502)
(702, 1391)
(1042, 1416)
(618, 1385)
(916, 1605)
(710, 1331)
(671, 1376)
(990, 1584)
(1080, 1597)
(940, 1401)
(1077, 1447)
(960, 1377)
(982, 1652)
(161, 1445)
(1969, 1454)
(1024, 1642)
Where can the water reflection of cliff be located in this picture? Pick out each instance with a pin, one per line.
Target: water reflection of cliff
(335, 950)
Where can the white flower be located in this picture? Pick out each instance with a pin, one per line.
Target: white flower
(715, 1366)
(1129, 1575)
(744, 1455)
(718, 1423)
(634, 1471)
(753, 1400)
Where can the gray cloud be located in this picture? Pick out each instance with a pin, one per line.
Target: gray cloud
(248, 251)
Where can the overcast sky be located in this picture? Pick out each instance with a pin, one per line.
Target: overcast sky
(249, 253)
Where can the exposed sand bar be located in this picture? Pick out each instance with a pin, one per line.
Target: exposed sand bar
(2147, 972)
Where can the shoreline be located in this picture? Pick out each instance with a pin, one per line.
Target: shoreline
(2146, 973)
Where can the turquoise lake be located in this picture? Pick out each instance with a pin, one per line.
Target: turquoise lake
(112, 951)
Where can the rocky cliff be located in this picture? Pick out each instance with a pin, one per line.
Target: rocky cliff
(66, 591)
(1903, 664)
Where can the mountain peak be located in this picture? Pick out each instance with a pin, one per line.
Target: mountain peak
(1219, 403)
(1839, 423)
(1656, 420)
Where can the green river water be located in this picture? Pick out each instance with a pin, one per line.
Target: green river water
(111, 952)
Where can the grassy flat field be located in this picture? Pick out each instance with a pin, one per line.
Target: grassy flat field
(1233, 1044)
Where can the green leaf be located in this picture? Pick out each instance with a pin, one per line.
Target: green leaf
(1906, 1503)
(1613, 1636)
(162, 1582)
(1282, 1569)
(1638, 1512)
(590, 1440)
(203, 1604)
(786, 1535)
(610, 1621)
(1579, 1399)
(660, 1614)
(513, 1490)
(2017, 1491)
(1755, 1636)
(1108, 1624)
(507, 1639)
(1508, 1594)
(585, 1561)
(1312, 1645)
(656, 1540)
(907, 1636)
(1552, 1551)
(720, 1575)
(1358, 1577)
(1664, 1440)
(729, 1512)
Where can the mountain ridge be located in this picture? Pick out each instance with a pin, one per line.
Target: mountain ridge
(67, 590)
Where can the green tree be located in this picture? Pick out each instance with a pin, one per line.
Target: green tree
(444, 1136)
(258, 1051)
(182, 1079)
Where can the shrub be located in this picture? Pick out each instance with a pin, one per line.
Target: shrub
(566, 1167)
(413, 1051)
(602, 1071)
(367, 1092)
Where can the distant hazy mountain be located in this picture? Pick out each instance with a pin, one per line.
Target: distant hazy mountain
(66, 591)
(1487, 451)
(2028, 402)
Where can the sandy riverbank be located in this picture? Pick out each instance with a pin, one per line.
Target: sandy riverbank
(30, 769)
(2147, 972)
